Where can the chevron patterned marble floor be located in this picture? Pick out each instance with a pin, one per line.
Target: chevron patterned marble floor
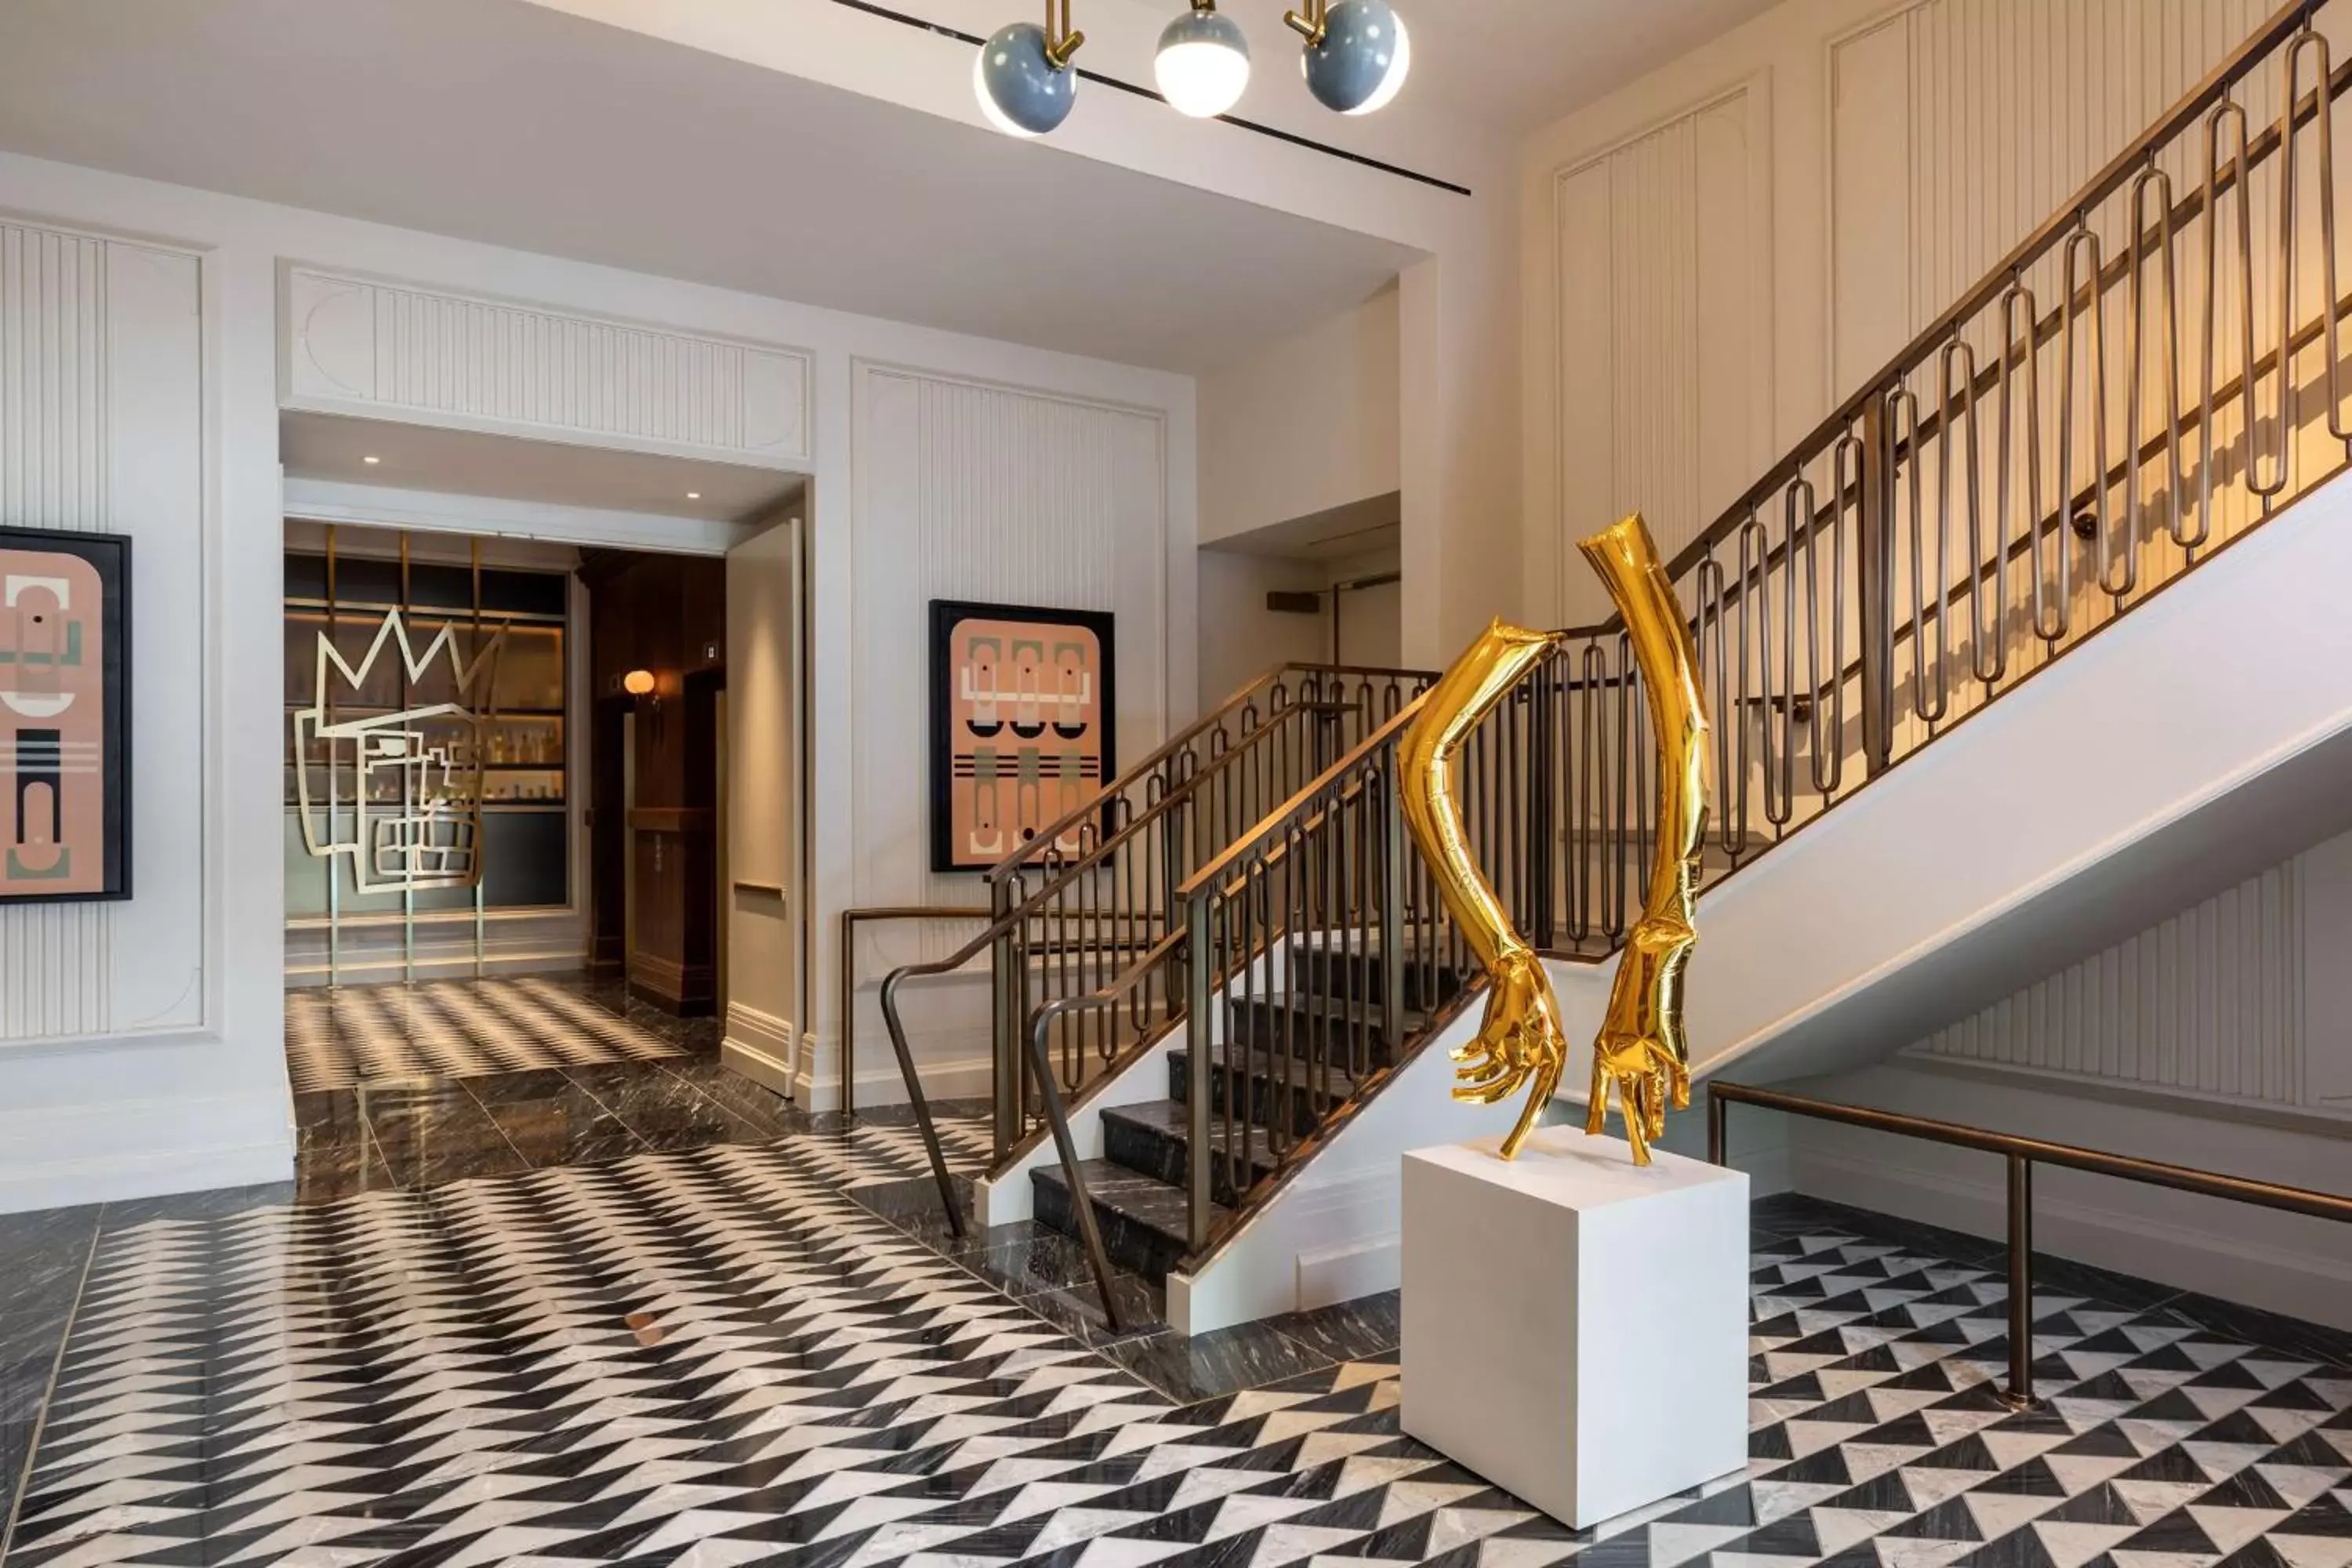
(720, 1357)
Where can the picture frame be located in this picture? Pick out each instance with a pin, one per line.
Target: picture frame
(1024, 720)
(65, 717)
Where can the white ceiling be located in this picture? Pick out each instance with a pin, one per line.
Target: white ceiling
(504, 468)
(508, 122)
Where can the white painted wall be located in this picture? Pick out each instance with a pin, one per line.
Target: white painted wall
(1305, 425)
(1240, 637)
(1458, 330)
(94, 1111)
(1715, 253)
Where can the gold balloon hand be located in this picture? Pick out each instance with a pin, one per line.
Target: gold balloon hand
(1520, 1042)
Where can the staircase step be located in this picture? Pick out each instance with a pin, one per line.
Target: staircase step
(1358, 976)
(1155, 1139)
(1268, 1088)
(1145, 1226)
(1305, 1026)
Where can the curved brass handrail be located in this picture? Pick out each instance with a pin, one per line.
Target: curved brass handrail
(1039, 845)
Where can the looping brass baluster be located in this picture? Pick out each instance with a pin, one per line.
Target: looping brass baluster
(1902, 408)
(2018, 357)
(2153, 182)
(2309, 42)
(2228, 113)
(2085, 302)
(1755, 564)
(1956, 407)
(1715, 658)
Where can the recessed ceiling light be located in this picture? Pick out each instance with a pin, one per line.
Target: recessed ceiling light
(371, 460)
(694, 495)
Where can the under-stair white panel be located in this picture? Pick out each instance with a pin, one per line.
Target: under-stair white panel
(2186, 747)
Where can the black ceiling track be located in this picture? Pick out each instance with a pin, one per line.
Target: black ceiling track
(961, 37)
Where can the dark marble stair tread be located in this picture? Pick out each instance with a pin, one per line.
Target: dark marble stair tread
(1145, 1222)
(1315, 1022)
(1359, 975)
(1270, 1082)
(1166, 1126)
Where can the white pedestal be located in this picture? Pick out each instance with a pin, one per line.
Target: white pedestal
(1575, 1325)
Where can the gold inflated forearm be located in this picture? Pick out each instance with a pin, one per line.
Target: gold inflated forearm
(1642, 1048)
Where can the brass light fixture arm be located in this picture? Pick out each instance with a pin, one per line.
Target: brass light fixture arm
(1062, 40)
(1312, 24)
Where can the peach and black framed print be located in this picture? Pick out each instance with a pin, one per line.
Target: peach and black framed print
(1023, 717)
(65, 716)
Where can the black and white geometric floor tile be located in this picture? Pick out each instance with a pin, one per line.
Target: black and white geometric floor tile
(453, 1029)
(715, 1358)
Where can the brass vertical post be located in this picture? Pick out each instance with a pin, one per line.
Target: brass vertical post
(1877, 585)
(2020, 1393)
(1199, 977)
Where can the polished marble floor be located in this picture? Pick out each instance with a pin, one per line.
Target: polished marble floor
(348, 1036)
(731, 1355)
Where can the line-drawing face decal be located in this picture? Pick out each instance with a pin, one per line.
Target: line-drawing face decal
(397, 794)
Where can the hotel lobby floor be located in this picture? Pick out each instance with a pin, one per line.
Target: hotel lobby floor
(732, 1354)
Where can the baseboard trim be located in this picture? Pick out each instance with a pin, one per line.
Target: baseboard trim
(63, 1184)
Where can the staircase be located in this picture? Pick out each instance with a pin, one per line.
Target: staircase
(1315, 1041)
(2018, 500)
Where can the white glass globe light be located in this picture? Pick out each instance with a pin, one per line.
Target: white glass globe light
(1203, 64)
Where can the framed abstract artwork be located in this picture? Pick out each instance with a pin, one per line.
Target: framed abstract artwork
(1024, 714)
(65, 716)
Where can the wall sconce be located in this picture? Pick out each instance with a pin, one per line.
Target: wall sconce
(641, 683)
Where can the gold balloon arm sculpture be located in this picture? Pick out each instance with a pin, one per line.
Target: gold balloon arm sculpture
(1521, 1042)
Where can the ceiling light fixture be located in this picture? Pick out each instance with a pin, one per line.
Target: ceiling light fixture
(1357, 57)
(1203, 62)
(694, 495)
(1022, 76)
(1358, 52)
(371, 461)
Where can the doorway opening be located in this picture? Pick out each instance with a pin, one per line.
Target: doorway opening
(510, 773)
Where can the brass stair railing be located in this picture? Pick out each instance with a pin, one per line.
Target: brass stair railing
(2140, 383)
(1087, 895)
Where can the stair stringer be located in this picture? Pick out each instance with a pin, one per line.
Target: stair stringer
(1332, 1233)
(2186, 746)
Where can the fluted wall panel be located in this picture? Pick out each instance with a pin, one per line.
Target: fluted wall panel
(1958, 126)
(56, 961)
(1661, 370)
(360, 345)
(966, 490)
(2208, 1003)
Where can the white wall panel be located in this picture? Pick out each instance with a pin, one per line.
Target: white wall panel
(967, 491)
(361, 345)
(1659, 373)
(100, 410)
(1956, 126)
(2209, 1001)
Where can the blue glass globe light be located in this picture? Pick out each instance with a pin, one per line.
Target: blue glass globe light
(1020, 89)
(1203, 63)
(1361, 63)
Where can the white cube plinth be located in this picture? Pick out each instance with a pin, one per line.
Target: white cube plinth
(1576, 1325)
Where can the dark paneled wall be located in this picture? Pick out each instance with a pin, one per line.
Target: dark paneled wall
(666, 613)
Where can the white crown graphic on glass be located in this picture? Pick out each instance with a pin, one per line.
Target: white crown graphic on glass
(388, 771)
